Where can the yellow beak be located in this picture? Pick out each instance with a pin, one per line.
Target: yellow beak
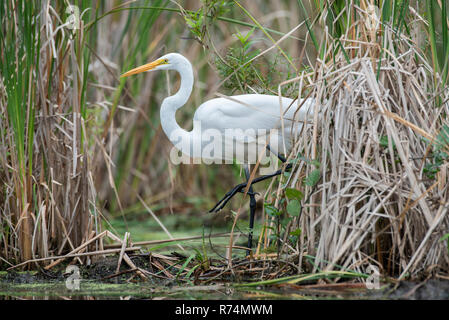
(145, 67)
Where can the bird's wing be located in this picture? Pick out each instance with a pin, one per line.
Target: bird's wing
(251, 112)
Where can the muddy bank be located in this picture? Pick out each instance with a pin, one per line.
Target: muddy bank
(433, 289)
(101, 281)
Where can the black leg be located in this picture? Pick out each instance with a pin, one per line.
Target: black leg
(280, 157)
(252, 208)
(240, 187)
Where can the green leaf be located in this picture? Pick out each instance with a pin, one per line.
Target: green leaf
(185, 264)
(293, 208)
(296, 233)
(383, 142)
(273, 237)
(442, 140)
(316, 163)
(293, 194)
(272, 210)
(313, 178)
(269, 228)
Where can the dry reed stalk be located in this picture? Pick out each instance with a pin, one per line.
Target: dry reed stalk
(81, 247)
(375, 204)
(48, 197)
(75, 255)
(122, 251)
(154, 242)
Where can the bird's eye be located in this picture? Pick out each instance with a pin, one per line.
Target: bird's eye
(166, 60)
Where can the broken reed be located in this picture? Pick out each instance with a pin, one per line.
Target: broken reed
(47, 197)
(381, 86)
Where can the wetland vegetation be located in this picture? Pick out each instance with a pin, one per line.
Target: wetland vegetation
(86, 180)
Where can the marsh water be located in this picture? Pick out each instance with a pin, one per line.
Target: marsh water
(50, 286)
(93, 282)
(25, 287)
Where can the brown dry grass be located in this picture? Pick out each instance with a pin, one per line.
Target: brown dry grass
(47, 206)
(375, 204)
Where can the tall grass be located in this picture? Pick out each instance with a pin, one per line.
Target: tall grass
(78, 144)
(19, 100)
(381, 86)
(140, 149)
(47, 203)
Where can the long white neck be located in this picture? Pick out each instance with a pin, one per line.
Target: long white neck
(170, 104)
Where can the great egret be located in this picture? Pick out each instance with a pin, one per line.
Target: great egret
(230, 127)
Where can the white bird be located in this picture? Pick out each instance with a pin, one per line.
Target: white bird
(229, 128)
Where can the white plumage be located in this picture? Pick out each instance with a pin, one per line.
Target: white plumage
(228, 128)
